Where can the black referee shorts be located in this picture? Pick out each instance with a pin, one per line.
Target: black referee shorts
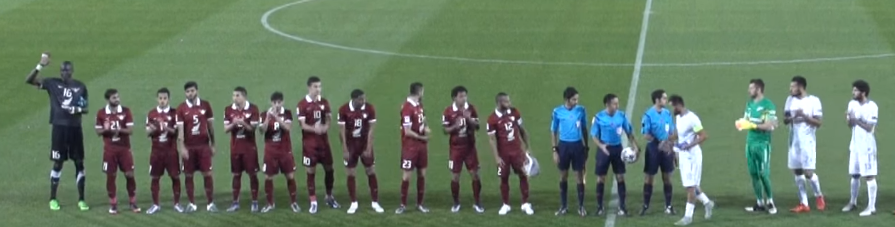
(67, 143)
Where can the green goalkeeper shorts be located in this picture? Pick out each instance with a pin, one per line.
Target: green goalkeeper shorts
(758, 157)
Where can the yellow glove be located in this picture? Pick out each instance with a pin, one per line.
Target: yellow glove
(743, 124)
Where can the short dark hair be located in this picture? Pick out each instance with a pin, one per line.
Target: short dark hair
(190, 84)
(276, 96)
(415, 88)
(656, 95)
(801, 81)
(676, 100)
(242, 90)
(110, 92)
(163, 90)
(862, 86)
(68, 63)
(608, 98)
(758, 83)
(499, 95)
(569, 93)
(356, 93)
(456, 91)
(313, 79)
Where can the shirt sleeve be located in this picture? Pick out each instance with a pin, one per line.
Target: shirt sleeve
(672, 127)
(491, 127)
(287, 117)
(770, 112)
(209, 113)
(872, 114)
(46, 83)
(445, 120)
(372, 114)
(627, 124)
(583, 119)
(474, 114)
(406, 119)
(817, 111)
(298, 113)
(594, 128)
(178, 117)
(340, 118)
(518, 117)
(788, 105)
(227, 117)
(696, 124)
(645, 124)
(326, 110)
(128, 119)
(99, 120)
(554, 122)
(256, 120)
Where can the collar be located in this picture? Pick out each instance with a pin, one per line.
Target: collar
(351, 106)
(246, 107)
(465, 106)
(499, 114)
(118, 109)
(309, 99)
(165, 110)
(414, 103)
(198, 102)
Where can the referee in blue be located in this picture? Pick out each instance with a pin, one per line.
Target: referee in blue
(609, 126)
(569, 132)
(658, 126)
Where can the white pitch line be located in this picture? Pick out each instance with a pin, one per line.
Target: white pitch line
(632, 98)
(270, 28)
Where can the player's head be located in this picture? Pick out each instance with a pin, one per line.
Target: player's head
(756, 87)
(416, 89)
(611, 102)
(314, 87)
(659, 98)
(276, 99)
(570, 96)
(112, 97)
(358, 98)
(239, 95)
(503, 101)
(163, 95)
(191, 89)
(67, 70)
(459, 95)
(797, 86)
(860, 90)
(677, 102)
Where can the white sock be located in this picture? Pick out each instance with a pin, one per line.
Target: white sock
(815, 184)
(855, 187)
(871, 192)
(803, 195)
(703, 198)
(688, 213)
(770, 201)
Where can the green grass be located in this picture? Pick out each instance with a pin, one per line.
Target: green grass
(138, 47)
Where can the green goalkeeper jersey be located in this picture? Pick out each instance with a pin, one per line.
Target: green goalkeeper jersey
(759, 113)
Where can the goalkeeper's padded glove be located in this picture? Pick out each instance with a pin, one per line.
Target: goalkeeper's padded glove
(743, 124)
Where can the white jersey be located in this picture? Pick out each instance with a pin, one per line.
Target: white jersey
(862, 160)
(688, 126)
(800, 130)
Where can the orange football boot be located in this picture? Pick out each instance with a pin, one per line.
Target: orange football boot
(801, 208)
(821, 204)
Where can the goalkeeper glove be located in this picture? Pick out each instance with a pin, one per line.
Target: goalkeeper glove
(743, 124)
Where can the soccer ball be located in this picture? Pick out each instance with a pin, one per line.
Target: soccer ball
(628, 155)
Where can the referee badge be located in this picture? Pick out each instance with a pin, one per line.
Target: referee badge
(619, 130)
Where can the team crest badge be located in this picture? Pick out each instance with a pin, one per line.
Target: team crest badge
(322, 107)
(202, 112)
(248, 115)
(512, 118)
(121, 117)
(365, 116)
(619, 130)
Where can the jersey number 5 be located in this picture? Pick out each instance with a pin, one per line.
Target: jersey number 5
(196, 124)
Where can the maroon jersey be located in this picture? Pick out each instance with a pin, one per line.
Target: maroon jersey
(412, 116)
(242, 140)
(357, 122)
(275, 138)
(506, 127)
(162, 141)
(118, 118)
(313, 112)
(194, 118)
(464, 136)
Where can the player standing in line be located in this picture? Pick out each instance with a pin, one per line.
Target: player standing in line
(115, 124)
(276, 124)
(761, 115)
(502, 127)
(414, 147)
(657, 127)
(862, 117)
(161, 128)
(68, 101)
(240, 120)
(314, 114)
(195, 137)
(607, 130)
(803, 114)
(358, 117)
(569, 136)
(460, 121)
(689, 136)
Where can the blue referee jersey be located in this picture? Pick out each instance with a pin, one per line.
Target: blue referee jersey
(568, 122)
(610, 128)
(658, 123)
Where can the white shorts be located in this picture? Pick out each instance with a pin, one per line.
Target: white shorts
(803, 155)
(690, 164)
(862, 162)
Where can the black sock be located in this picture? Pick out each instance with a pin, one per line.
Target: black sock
(563, 193)
(54, 184)
(647, 194)
(580, 195)
(668, 190)
(81, 179)
(622, 193)
(600, 189)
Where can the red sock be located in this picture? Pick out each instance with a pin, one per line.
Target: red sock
(374, 187)
(329, 179)
(476, 190)
(153, 189)
(523, 186)
(405, 186)
(111, 187)
(253, 186)
(455, 191)
(505, 189)
(268, 190)
(131, 188)
(312, 187)
(237, 187)
(352, 189)
(209, 189)
(420, 190)
(290, 183)
(175, 187)
(190, 189)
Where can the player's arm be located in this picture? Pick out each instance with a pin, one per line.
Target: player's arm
(701, 135)
(286, 122)
(100, 126)
(814, 117)
(370, 132)
(523, 133)
(340, 120)
(595, 134)
(491, 129)
(408, 126)
(554, 131)
(868, 123)
(178, 119)
(252, 124)
(210, 127)
(449, 127)
(34, 77)
(583, 122)
(645, 127)
(787, 111)
(265, 120)
(229, 123)
(629, 131)
(473, 118)
(305, 126)
(769, 122)
(150, 129)
(129, 122)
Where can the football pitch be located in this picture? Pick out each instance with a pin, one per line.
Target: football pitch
(704, 50)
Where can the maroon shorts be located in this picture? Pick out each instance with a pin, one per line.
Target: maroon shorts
(414, 158)
(244, 161)
(460, 156)
(117, 159)
(199, 160)
(511, 162)
(278, 162)
(312, 154)
(161, 161)
(356, 154)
